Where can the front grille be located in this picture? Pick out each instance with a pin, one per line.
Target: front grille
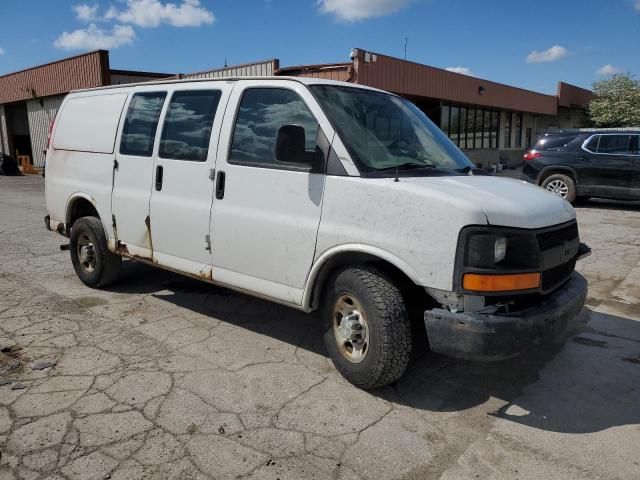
(553, 238)
(556, 276)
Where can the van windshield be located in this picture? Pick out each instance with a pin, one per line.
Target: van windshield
(380, 132)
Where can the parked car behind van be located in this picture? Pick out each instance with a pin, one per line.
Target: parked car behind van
(586, 164)
(324, 196)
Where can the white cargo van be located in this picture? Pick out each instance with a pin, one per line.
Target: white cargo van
(319, 195)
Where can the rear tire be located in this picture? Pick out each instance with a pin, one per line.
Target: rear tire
(94, 264)
(561, 185)
(373, 349)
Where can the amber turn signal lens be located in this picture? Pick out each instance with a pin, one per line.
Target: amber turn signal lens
(500, 283)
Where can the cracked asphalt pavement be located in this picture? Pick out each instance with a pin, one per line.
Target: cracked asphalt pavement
(164, 377)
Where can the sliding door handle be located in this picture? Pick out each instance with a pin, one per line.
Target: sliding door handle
(159, 174)
(220, 181)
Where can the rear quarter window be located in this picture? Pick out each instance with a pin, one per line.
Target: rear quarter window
(556, 143)
(89, 123)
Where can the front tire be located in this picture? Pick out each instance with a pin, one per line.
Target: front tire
(561, 185)
(94, 264)
(367, 327)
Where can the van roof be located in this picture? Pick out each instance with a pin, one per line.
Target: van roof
(303, 80)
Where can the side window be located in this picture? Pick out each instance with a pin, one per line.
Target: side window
(592, 146)
(262, 112)
(187, 125)
(634, 145)
(139, 131)
(614, 144)
(558, 144)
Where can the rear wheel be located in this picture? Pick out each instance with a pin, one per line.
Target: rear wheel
(94, 264)
(367, 328)
(561, 185)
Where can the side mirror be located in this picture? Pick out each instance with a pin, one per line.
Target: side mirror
(290, 143)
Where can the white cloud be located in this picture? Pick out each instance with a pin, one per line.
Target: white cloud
(1, 51)
(153, 13)
(462, 70)
(552, 54)
(86, 13)
(608, 69)
(93, 38)
(355, 10)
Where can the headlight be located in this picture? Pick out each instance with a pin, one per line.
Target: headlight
(500, 249)
(493, 259)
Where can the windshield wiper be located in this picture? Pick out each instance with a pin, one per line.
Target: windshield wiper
(407, 166)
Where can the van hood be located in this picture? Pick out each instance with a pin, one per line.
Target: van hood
(505, 201)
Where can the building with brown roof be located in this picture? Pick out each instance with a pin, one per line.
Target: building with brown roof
(490, 121)
(30, 98)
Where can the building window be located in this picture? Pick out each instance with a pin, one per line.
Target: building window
(444, 119)
(479, 128)
(454, 125)
(519, 130)
(528, 135)
(463, 127)
(508, 117)
(486, 132)
(495, 129)
(471, 128)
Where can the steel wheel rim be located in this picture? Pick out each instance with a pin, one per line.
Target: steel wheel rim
(558, 187)
(350, 328)
(86, 253)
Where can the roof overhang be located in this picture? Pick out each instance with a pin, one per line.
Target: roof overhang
(81, 71)
(570, 96)
(414, 79)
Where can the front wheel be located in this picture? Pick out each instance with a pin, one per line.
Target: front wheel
(367, 327)
(94, 264)
(561, 185)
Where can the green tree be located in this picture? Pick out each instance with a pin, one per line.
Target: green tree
(616, 102)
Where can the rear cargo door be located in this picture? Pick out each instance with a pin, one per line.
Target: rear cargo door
(133, 171)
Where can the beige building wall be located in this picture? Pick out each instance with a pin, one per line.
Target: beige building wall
(566, 118)
(4, 139)
(41, 112)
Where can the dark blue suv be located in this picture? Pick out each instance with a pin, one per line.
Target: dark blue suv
(602, 164)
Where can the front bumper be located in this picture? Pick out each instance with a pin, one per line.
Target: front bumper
(54, 226)
(491, 337)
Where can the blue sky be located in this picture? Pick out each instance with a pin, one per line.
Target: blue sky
(530, 44)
